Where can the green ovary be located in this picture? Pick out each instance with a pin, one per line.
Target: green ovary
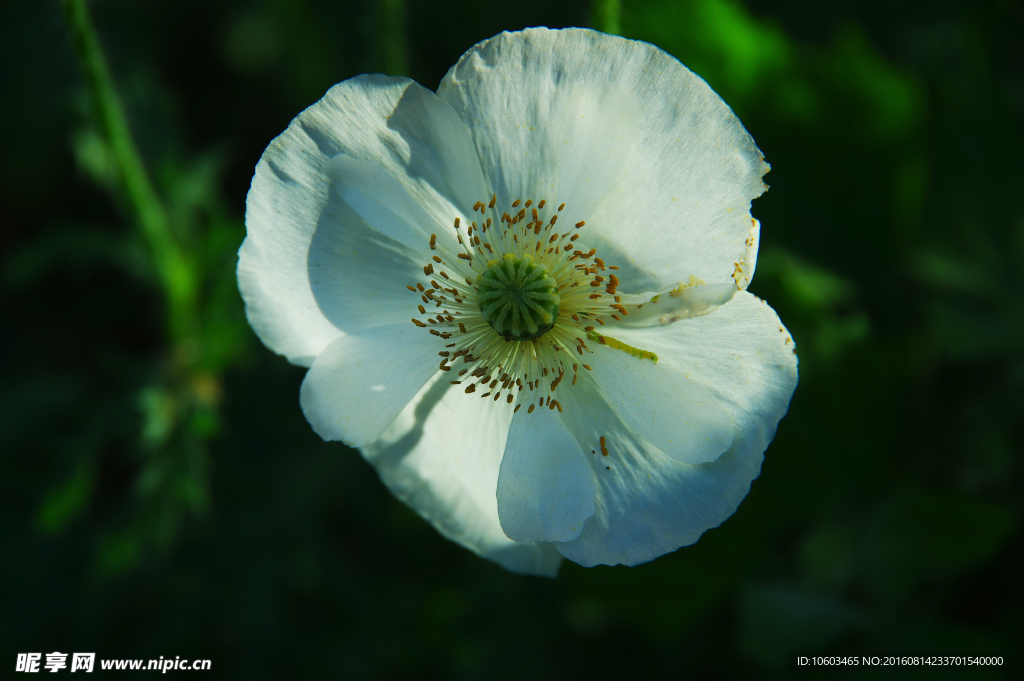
(518, 298)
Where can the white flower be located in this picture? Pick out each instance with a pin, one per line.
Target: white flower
(583, 195)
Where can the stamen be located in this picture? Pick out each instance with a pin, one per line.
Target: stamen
(523, 306)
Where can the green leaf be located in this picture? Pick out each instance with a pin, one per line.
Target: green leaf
(66, 501)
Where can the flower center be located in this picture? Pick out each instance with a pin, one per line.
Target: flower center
(518, 297)
(514, 302)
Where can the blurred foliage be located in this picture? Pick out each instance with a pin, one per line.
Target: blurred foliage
(162, 494)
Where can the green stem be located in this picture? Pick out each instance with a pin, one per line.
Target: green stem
(150, 216)
(392, 25)
(606, 15)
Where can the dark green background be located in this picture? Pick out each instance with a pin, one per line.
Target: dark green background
(161, 493)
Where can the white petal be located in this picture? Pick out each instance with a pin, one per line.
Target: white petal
(676, 414)
(649, 503)
(545, 486)
(362, 381)
(441, 457)
(307, 250)
(742, 351)
(686, 176)
(548, 123)
(382, 202)
(668, 307)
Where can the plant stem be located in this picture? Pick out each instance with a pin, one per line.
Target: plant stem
(392, 38)
(173, 270)
(606, 14)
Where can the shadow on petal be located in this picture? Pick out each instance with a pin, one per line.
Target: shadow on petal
(441, 154)
(397, 451)
(358, 275)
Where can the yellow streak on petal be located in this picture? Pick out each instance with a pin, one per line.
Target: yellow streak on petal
(619, 345)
